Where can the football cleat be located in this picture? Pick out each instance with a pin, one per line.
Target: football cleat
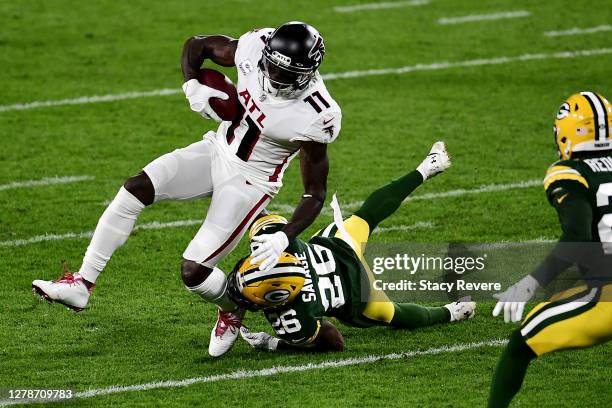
(462, 309)
(437, 161)
(225, 332)
(69, 290)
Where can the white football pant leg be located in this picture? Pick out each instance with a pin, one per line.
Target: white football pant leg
(234, 205)
(180, 175)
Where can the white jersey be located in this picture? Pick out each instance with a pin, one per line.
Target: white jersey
(267, 133)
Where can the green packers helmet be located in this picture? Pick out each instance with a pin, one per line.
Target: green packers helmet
(254, 289)
(583, 124)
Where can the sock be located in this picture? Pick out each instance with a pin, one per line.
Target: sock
(113, 229)
(411, 316)
(214, 290)
(510, 371)
(386, 200)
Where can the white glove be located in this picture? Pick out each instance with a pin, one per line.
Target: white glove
(270, 248)
(513, 300)
(261, 340)
(198, 96)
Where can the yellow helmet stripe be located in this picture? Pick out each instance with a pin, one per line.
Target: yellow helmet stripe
(600, 116)
(564, 176)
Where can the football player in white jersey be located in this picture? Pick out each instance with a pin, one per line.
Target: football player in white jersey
(285, 110)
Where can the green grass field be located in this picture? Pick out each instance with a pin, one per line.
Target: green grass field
(142, 326)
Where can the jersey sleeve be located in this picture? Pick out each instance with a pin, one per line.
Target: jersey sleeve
(325, 129)
(295, 325)
(563, 177)
(249, 48)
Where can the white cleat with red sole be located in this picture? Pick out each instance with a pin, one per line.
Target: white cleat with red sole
(69, 290)
(225, 332)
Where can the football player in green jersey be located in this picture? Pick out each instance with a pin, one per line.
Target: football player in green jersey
(329, 277)
(579, 187)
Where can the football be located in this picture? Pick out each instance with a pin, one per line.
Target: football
(226, 109)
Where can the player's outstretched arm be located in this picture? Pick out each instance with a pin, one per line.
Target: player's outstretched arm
(575, 215)
(315, 167)
(220, 49)
(328, 338)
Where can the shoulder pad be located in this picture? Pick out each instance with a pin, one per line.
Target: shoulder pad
(564, 170)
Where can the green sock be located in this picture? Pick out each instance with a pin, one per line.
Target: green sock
(411, 316)
(510, 371)
(386, 200)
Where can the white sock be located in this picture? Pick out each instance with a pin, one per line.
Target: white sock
(113, 229)
(214, 290)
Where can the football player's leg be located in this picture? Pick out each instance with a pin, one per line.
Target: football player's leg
(235, 204)
(581, 320)
(383, 202)
(405, 315)
(510, 371)
(182, 174)
(179, 175)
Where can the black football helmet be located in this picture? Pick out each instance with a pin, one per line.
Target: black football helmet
(290, 59)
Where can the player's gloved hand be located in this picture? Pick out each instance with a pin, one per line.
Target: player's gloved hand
(198, 96)
(513, 300)
(269, 250)
(261, 340)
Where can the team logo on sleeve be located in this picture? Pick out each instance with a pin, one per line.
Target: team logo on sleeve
(245, 67)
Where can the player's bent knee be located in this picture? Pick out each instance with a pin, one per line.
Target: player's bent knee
(141, 187)
(193, 274)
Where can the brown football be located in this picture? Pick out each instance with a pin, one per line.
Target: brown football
(226, 109)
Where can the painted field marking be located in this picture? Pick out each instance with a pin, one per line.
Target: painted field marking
(579, 31)
(329, 77)
(88, 234)
(47, 181)
(379, 6)
(483, 17)
(285, 208)
(416, 225)
(276, 370)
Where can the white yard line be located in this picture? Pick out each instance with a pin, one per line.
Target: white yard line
(579, 31)
(484, 17)
(379, 6)
(88, 99)
(468, 63)
(417, 225)
(330, 77)
(275, 370)
(47, 181)
(488, 188)
(88, 234)
(287, 209)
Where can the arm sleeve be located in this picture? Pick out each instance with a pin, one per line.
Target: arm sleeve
(575, 216)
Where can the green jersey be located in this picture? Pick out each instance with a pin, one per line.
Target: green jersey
(580, 190)
(334, 281)
(593, 179)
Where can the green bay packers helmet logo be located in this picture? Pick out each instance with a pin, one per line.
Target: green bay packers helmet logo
(254, 288)
(564, 111)
(277, 296)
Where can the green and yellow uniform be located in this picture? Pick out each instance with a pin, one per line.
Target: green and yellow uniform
(338, 280)
(580, 190)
